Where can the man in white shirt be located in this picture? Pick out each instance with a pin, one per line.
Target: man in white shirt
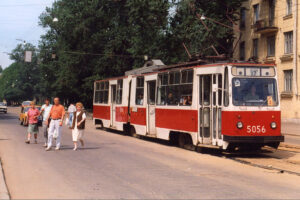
(45, 111)
(71, 110)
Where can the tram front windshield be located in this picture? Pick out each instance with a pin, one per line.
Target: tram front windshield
(254, 92)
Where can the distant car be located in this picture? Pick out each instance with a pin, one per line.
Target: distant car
(3, 107)
(26, 103)
(23, 116)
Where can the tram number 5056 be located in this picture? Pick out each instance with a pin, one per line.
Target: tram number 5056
(256, 129)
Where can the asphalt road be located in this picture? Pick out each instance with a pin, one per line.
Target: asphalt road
(113, 166)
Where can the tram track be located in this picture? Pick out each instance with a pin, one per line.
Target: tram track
(286, 159)
(289, 146)
(279, 170)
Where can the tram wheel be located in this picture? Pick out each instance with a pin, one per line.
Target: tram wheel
(173, 139)
(185, 141)
(132, 132)
(181, 140)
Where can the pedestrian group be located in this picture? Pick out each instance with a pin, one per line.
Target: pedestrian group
(53, 118)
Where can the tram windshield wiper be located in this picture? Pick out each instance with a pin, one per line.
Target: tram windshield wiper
(262, 103)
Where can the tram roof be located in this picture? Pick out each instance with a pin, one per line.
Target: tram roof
(191, 65)
(196, 64)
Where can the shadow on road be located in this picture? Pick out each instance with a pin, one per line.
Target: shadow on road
(258, 154)
(112, 131)
(149, 139)
(7, 117)
(80, 148)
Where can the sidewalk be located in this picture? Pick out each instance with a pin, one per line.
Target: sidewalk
(3, 189)
(290, 128)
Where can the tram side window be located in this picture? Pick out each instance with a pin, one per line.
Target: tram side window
(161, 89)
(219, 89)
(214, 93)
(175, 88)
(101, 92)
(139, 95)
(186, 90)
(119, 91)
(226, 88)
(207, 79)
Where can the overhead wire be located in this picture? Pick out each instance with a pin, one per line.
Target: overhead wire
(103, 54)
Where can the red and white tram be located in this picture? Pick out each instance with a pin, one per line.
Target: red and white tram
(224, 105)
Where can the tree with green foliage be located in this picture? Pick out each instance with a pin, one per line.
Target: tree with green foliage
(98, 39)
(186, 27)
(20, 81)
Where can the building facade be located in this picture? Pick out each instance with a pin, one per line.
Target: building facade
(269, 33)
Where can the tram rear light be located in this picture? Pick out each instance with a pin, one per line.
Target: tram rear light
(239, 125)
(273, 125)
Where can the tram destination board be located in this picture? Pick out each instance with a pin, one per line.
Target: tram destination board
(253, 71)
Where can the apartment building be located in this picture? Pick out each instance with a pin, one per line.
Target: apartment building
(269, 33)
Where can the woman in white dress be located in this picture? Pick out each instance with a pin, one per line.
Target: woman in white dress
(78, 125)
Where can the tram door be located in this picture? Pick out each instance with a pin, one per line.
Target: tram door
(151, 88)
(113, 104)
(216, 108)
(210, 96)
(205, 101)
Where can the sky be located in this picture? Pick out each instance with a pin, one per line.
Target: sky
(19, 20)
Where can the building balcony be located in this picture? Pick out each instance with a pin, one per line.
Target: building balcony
(269, 60)
(286, 57)
(264, 26)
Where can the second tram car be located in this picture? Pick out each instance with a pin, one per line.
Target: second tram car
(224, 105)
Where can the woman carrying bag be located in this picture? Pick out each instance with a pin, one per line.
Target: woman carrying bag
(78, 125)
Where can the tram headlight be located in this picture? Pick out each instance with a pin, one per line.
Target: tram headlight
(273, 125)
(239, 125)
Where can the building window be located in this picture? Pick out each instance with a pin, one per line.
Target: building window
(289, 6)
(271, 46)
(256, 13)
(288, 80)
(139, 95)
(288, 42)
(255, 48)
(243, 17)
(271, 12)
(242, 51)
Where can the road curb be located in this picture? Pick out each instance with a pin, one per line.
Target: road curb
(4, 194)
(291, 134)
